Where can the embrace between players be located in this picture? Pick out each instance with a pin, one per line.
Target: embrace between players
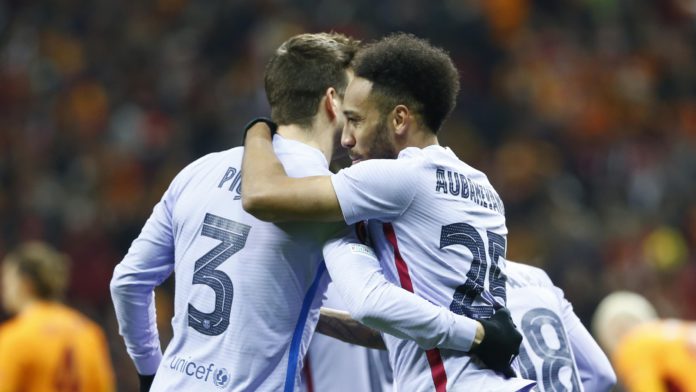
(412, 238)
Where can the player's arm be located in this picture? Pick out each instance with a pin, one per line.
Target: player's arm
(374, 189)
(379, 304)
(270, 195)
(596, 373)
(150, 260)
(339, 325)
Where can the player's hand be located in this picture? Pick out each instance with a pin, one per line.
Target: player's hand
(270, 124)
(146, 382)
(501, 342)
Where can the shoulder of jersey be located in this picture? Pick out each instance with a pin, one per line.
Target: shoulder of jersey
(404, 167)
(650, 334)
(83, 323)
(409, 154)
(18, 327)
(64, 314)
(212, 158)
(528, 273)
(215, 156)
(78, 316)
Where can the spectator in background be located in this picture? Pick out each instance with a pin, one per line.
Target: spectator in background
(47, 346)
(649, 354)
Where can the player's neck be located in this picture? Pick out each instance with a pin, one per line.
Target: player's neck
(420, 139)
(319, 139)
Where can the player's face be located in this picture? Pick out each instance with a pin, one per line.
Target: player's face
(340, 123)
(11, 287)
(367, 134)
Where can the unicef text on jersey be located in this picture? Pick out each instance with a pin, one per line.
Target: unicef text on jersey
(220, 377)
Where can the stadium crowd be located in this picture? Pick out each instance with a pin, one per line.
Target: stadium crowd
(582, 113)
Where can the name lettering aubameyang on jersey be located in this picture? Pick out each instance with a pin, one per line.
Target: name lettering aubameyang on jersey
(456, 184)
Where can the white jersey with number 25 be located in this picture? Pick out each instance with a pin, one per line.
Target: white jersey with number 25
(438, 228)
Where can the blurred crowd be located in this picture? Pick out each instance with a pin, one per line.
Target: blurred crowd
(581, 112)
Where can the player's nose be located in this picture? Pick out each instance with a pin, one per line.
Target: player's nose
(347, 139)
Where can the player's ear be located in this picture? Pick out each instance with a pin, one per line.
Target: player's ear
(331, 104)
(401, 119)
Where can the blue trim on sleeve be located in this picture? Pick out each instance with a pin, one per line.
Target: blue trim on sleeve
(299, 328)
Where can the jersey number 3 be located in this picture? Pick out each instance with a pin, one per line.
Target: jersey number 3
(232, 236)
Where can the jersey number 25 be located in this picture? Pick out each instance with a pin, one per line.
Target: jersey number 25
(464, 295)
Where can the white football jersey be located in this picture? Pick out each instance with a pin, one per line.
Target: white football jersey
(438, 227)
(247, 292)
(336, 366)
(557, 350)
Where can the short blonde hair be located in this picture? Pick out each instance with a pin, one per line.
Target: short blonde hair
(46, 268)
(617, 314)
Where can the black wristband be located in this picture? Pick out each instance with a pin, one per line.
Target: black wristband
(273, 126)
(146, 382)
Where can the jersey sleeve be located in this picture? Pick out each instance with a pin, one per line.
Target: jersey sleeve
(376, 189)
(379, 304)
(150, 260)
(596, 373)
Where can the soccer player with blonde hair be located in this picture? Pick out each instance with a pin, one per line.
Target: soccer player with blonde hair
(648, 353)
(47, 346)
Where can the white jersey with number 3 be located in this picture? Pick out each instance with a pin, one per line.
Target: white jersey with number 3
(247, 292)
(438, 227)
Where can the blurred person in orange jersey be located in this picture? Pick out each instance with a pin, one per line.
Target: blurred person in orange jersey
(47, 346)
(649, 354)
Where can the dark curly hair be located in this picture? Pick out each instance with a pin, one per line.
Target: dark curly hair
(301, 70)
(405, 69)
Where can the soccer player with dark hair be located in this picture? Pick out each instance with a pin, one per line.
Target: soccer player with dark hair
(47, 346)
(436, 223)
(247, 293)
